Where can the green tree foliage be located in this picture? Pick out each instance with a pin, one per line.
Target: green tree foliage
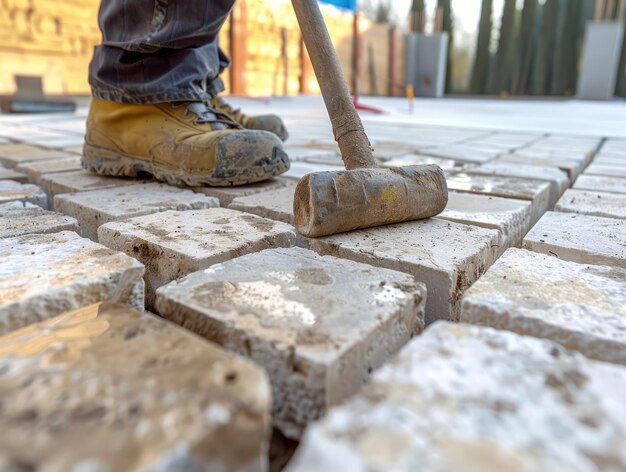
(525, 48)
(480, 72)
(544, 55)
(416, 16)
(448, 27)
(502, 74)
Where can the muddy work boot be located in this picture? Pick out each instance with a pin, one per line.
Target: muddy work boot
(270, 123)
(183, 143)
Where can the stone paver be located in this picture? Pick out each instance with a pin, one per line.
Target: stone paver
(97, 207)
(600, 183)
(11, 191)
(81, 181)
(572, 167)
(300, 169)
(227, 194)
(463, 153)
(318, 325)
(10, 174)
(447, 257)
(608, 205)
(276, 205)
(608, 170)
(448, 165)
(582, 307)
(535, 191)
(44, 275)
(308, 154)
(108, 388)
(580, 238)
(558, 179)
(35, 170)
(173, 244)
(512, 218)
(17, 219)
(12, 155)
(461, 398)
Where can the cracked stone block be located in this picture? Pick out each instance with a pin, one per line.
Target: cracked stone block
(582, 307)
(35, 170)
(607, 170)
(535, 191)
(98, 207)
(109, 388)
(580, 238)
(11, 191)
(573, 168)
(447, 257)
(44, 275)
(227, 194)
(10, 174)
(559, 182)
(608, 205)
(512, 218)
(81, 181)
(17, 219)
(600, 183)
(12, 155)
(275, 205)
(317, 325)
(468, 398)
(173, 244)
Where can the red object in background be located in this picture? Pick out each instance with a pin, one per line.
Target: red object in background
(361, 107)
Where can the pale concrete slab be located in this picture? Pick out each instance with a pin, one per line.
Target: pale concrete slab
(318, 325)
(81, 181)
(10, 174)
(558, 179)
(580, 238)
(227, 194)
(17, 219)
(12, 155)
(573, 168)
(535, 191)
(97, 207)
(44, 275)
(610, 159)
(11, 191)
(173, 244)
(582, 307)
(35, 170)
(109, 388)
(275, 205)
(512, 218)
(463, 153)
(608, 170)
(600, 183)
(448, 165)
(608, 205)
(447, 257)
(468, 398)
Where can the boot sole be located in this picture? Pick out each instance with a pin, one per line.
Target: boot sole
(107, 162)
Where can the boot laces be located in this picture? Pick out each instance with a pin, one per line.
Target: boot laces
(208, 114)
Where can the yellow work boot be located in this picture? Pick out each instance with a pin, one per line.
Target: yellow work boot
(270, 123)
(182, 143)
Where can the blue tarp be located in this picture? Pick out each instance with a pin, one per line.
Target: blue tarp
(348, 4)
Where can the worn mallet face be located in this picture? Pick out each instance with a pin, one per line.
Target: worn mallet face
(327, 203)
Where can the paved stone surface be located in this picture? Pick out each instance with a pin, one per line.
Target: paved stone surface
(227, 194)
(535, 191)
(10, 174)
(318, 325)
(17, 219)
(462, 153)
(44, 275)
(81, 181)
(12, 155)
(608, 170)
(580, 238)
(108, 388)
(608, 205)
(97, 207)
(300, 169)
(276, 205)
(512, 218)
(448, 165)
(559, 181)
(309, 154)
(447, 257)
(173, 244)
(582, 307)
(476, 399)
(600, 183)
(11, 191)
(35, 170)
(572, 167)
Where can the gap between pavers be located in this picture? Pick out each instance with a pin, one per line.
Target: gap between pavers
(12, 155)
(173, 244)
(18, 218)
(318, 325)
(11, 191)
(110, 388)
(10, 174)
(598, 183)
(535, 191)
(96, 207)
(35, 170)
(580, 238)
(602, 204)
(582, 307)
(44, 275)
(227, 194)
(82, 181)
(461, 398)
